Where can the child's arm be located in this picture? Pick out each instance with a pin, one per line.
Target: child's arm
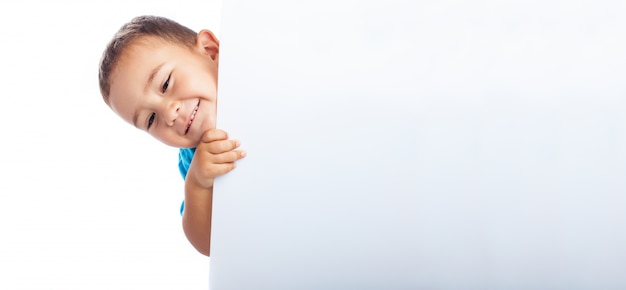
(214, 156)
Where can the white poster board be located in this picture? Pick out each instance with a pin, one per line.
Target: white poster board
(422, 145)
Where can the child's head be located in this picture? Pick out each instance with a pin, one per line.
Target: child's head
(161, 77)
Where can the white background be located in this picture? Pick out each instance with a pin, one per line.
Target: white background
(88, 201)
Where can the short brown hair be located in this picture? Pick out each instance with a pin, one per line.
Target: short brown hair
(146, 25)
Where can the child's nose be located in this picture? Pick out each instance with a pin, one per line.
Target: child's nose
(171, 113)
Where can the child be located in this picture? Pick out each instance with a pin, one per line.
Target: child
(161, 77)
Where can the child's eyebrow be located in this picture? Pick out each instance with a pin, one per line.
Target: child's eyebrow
(152, 74)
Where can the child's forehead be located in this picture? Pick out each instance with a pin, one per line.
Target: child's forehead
(147, 47)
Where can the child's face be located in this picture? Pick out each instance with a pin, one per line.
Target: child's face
(168, 90)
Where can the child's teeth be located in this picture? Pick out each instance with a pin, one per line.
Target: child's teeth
(193, 116)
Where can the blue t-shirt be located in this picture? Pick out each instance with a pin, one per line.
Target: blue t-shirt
(185, 155)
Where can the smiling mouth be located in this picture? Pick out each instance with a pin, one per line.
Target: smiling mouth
(193, 116)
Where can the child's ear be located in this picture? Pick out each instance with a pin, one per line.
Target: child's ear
(208, 44)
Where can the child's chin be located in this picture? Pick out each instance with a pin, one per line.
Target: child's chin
(207, 125)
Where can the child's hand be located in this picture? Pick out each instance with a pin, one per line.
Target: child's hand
(214, 156)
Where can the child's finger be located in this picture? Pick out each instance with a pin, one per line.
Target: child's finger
(229, 157)
(223, 168)
(217, 147)
(214, 135)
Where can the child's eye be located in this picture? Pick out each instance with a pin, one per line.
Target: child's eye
(151, 120)
(166, 84)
